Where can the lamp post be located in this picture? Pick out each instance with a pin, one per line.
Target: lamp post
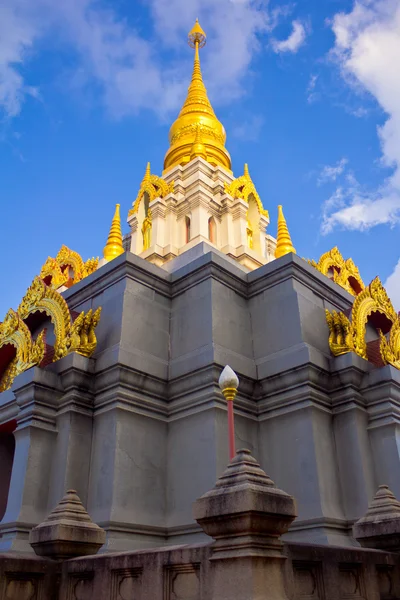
(229, 383)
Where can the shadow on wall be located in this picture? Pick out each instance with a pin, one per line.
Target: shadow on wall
(7, 450)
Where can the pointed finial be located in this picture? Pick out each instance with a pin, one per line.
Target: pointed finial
(147, 173)
(198, 148)
(283, 240)
(246, 170)
(114, 246)
(197, 36)
(197, 110)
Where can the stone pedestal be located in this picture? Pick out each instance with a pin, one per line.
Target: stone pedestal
(246, 515)
(380, 527)
(67, 532)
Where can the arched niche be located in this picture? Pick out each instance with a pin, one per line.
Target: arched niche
(212, 230)
(187, 233)
(7, 451)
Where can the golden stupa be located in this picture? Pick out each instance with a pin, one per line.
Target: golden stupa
(197, 119)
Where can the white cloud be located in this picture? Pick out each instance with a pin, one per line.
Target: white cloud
(133, 72)
(295, 40)
(250, 129)
(311, 93)
(332, 172)
(367, 47)
(392, 286)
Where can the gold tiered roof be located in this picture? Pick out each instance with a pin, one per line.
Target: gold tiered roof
(197, 124)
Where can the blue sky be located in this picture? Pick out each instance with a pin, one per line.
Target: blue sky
(308, 93)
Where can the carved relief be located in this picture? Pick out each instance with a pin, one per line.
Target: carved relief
(19, 589)
(56, 271)
(385, 582)
(351, 582)
(341, 271)
(125, 584)
(182, 582)
(243, 187)
(80, 586)
(308, 580)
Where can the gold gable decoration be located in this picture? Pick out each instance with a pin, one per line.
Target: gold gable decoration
(243, 187)
(154, 186)
(348, 335)
(55, 271)
(343, 272)
(14, 332)
(70, 335)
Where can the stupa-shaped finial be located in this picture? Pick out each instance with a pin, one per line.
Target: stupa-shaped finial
(114, 246)
(283, 240)
(246, 170)
(197, 111)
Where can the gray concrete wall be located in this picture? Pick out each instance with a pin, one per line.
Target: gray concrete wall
(140, 430)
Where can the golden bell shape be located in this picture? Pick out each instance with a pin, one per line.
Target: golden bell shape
(114, 246)
(283, 240)
(197, 111)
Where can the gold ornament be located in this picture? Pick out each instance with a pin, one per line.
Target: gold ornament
(197, 111)
(114, 246)
(283, 240)
(198, 148)
(56, 271)
(152, 185)
(390, 349)
(243, 187)
(14, 332)
(81, 337)
(146, 231)
(41, 298)
(349, 336)
(340, 333)
(343, 272)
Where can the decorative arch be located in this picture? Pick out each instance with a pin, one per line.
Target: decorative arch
(42, 298)
(154, 186)
(55, 271)
(373, 299)
(243, 187)
(373, 304)
(341, 271)
(14, 332)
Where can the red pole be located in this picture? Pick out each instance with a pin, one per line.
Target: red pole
(230, 394)
(231, 430)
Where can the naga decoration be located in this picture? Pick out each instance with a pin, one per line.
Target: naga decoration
(14, 332)
(390, 348)
(152, 185)
(348, 335)
(56, 271)
(243, 187)
(70, 335)
(341, 271)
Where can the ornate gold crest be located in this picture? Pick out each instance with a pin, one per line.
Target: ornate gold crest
(243, 187)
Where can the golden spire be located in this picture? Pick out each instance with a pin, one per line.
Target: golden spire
(197, 111)
(114, 247)
(283, 240)
(198, 148)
